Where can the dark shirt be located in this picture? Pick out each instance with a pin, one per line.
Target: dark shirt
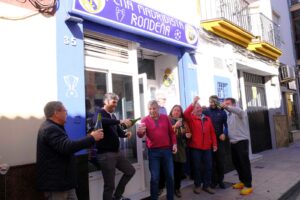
(219, 120)
(112, 132)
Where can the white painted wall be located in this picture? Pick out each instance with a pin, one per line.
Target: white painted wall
(287, 46)
(27, 81)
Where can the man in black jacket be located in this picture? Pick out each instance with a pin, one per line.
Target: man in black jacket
(109, 157)
(56, 175)
(219, 119)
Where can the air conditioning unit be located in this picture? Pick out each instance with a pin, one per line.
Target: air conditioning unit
(287, 73)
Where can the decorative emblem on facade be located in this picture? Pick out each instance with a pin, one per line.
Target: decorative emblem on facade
(168, 78)
(71, 82)
(177, 34)
(93, 6)
(120, 14)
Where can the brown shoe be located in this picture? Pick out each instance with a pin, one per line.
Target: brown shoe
(197, 190)
(209, 190)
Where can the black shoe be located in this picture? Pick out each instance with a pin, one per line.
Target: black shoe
(213, 185)
(209, 190)
(177, 193)
(222, 185)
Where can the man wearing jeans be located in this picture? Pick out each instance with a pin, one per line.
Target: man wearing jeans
(109, 157)
(239, 138)
(202, 143)
(161, 143)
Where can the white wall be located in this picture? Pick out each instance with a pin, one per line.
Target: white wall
(287, 46)
(27, 81)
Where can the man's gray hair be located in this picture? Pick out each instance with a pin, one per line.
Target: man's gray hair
(153, 103)
(110, 96)
(51, 107)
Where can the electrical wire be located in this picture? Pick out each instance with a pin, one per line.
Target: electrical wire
(45, 9)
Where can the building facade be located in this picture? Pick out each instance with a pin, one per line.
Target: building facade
(75, 51)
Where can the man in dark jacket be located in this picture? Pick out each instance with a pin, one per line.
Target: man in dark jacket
(109, 157)
(219, 120)
(56, 174)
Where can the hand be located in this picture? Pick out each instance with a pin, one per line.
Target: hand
(188, 135)
(141, 128)
(215, 148)
(178, 123)
(98, 134)
(196, 99)
(174, 149)
(223, 105)
(127, 122)
(128, 134)
(222, 137)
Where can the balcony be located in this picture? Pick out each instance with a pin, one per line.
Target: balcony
(267, 41)
(228, 19)
(294, 2)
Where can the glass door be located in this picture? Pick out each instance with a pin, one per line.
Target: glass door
(122, 86)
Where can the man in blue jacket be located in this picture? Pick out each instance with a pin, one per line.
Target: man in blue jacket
(219, 120)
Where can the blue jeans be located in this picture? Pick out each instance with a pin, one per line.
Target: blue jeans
(156, 158)
(202, 158)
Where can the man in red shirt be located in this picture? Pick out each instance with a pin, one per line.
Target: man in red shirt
(202, 143)
(161, 143)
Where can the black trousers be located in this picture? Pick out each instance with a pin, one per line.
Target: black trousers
(241, 162)
(109, 162)
(218, 163)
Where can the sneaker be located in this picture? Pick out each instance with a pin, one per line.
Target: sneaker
(197, 190)
(222, 185)
(177, 193)
(209, 190)
(238, 186)
(246, 191)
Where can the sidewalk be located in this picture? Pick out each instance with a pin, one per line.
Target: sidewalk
(273, 176)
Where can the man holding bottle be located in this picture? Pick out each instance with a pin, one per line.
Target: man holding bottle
(55, 160)
(108, 155)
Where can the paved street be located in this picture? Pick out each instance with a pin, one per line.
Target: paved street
(273, 175)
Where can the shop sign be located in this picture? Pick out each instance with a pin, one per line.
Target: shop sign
(136, 18)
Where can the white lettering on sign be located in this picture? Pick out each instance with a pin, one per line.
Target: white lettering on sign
(125, 4)
(150, 25)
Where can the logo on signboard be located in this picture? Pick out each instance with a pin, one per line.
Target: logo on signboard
(191, 34)
(93, 6)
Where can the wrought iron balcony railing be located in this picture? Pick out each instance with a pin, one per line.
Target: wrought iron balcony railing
(293, 2)
(265, 29)
(235, 11)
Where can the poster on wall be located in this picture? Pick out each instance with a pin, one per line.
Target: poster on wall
(222, 87)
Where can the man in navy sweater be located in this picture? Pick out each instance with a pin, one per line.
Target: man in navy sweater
(109, 157)
(219, 120)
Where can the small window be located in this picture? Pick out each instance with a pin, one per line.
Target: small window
(147, 66)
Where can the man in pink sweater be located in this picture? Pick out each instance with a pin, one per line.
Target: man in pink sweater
(161, 143)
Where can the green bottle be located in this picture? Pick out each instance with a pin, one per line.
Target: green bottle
(218, 104)
(133, 121)
(98, 124)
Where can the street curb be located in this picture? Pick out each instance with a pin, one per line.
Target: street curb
(290, 192)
